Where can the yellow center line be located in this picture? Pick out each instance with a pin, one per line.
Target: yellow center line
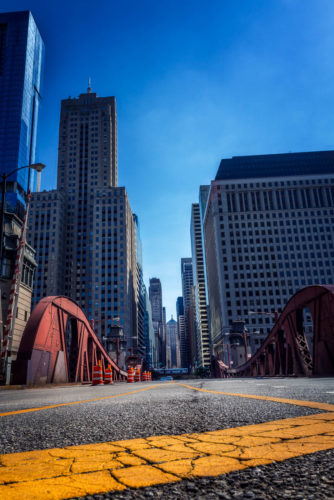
(29, 410)
(296, 402)
(77, 471)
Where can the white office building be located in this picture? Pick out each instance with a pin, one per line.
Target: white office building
(269, 231)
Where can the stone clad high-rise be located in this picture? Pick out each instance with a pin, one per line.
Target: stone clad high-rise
(96, 253)
(87, 162)
(269, 231)
(173, 358)
(187, 343)
(201, 335)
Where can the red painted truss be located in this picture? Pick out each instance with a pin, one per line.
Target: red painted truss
(59, 345)
(285, 351)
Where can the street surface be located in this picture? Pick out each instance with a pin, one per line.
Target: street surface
(181, 439)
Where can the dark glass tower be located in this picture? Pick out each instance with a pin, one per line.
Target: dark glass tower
(21, 69)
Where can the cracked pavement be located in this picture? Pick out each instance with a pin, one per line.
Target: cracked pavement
(142, 462)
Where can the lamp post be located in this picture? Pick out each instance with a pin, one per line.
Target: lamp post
(4, 176)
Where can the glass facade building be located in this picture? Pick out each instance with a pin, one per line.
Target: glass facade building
(21, 70)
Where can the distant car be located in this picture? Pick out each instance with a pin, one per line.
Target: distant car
(169, 377)
(163, 378)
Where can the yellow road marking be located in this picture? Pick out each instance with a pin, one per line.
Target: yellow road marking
(76, 471)
(29, 410)
(296, 402)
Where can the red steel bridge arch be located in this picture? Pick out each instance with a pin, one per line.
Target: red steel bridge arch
(59, 345)
(285, 351)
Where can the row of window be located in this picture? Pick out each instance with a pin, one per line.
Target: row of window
(280, 200)
(272, 184)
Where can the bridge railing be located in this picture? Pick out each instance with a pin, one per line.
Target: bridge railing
(285, 351)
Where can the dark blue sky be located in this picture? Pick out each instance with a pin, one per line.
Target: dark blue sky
(195, 81)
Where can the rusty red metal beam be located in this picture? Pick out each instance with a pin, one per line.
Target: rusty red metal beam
(285, 350)
(47, 355)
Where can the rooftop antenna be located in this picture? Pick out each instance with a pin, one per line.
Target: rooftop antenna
(89, 87)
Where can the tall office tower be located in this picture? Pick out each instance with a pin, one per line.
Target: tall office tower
(21, 69)
(164, 321)
(191, 318)
(201, 334)
(87, 161)
(155, 294)
(181, 330)
(151, 351)
(172, 345)
(203, 200)
(46, 232)
(140, 290)
(269, 231)
(98, 262)
(187, 283)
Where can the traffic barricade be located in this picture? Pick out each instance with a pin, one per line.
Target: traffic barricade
(97, 378)
(108, 375)
(137, 374)
(131, 374)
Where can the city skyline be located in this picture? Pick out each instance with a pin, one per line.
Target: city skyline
(193, 85)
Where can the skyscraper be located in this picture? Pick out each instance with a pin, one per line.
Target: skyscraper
(140, 342)
(87, 162)
(151, 350)
(187, 284)
(155, 294)
(21, 71)
(181, 330)
(99, 261)
(202, 338)
(269, 231)
(172, 345)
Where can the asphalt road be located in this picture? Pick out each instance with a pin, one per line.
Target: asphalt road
(173, 409)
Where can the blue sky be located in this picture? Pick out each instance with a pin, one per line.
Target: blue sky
(195, 81)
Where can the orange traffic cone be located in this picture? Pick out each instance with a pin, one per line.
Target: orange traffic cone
(108, 375)
(149, 376)
(137, 374)
(131, 374)
(97, 375)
